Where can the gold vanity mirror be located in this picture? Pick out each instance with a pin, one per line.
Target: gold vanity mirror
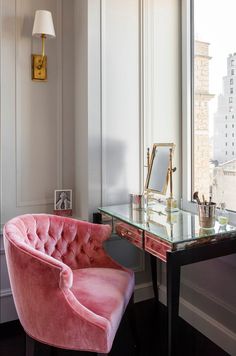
(158, 168)
(160, 172)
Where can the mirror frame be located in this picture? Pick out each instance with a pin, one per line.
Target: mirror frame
(154, 148)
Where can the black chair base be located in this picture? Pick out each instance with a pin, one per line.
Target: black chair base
(35, 348)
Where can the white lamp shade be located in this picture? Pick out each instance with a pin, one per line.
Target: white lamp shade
(43, 24)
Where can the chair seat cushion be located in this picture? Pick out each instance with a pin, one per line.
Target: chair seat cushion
(104, 291)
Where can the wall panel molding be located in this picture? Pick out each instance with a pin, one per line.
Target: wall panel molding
(21, 202)
(121, 42)
(143, 291)
(207, 325)
(5, 293)
(209, 296)
(213, 295)
(149, 71)
(7, 106)
(31, 122)
(17, 114)
(122, 112)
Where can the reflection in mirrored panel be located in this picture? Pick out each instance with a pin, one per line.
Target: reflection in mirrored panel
(158, 171)
(181, 229)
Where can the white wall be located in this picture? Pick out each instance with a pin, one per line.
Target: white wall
(162, 79)
(31, 113)
(107, 86)
(121, 116)
(37, 119)
(121, 122)
(80, 129)
(81, 107)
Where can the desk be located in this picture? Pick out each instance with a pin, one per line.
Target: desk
(175, 239)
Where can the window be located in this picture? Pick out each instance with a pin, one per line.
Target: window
(232, 143)
(232, 153)
(208, 62)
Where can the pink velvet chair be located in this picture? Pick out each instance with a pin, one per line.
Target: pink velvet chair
(67, 291)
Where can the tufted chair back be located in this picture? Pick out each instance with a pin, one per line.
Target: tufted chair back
(76, 243)
(57, 267)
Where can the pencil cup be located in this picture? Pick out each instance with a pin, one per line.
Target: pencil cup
(207, 215)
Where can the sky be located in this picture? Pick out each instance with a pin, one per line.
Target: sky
(215, 23)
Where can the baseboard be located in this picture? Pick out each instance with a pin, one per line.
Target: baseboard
(5, 293)
(208, 326)
(143, 291)
(7, 311)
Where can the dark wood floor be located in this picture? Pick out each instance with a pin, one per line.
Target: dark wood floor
(151, 329)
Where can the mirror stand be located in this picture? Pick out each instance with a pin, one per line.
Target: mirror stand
(171, 202)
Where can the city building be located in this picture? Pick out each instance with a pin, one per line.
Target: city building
(223, 179)
(225, 117)
(201, 118)
(224, 144)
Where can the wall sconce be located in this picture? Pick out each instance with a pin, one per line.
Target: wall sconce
(44, 28)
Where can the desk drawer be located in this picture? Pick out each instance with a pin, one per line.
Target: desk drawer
(130, 233)
(156, 246)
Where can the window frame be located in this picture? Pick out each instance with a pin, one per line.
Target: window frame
(187, 108)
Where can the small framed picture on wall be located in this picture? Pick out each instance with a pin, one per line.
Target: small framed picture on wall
(63, 202)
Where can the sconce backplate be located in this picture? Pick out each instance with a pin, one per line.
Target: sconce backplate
(39, 67)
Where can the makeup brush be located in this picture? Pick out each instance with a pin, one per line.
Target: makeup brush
(196, 197)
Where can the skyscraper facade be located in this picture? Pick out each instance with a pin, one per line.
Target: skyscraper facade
(202, 97)
(224, 146)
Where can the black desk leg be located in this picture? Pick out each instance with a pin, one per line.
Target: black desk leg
(153, 261)
(97, 218)
(173, 288)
